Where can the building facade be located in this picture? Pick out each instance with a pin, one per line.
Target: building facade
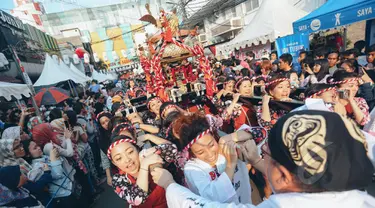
(114, 31)
(226, 23)
(29, 12)
(30, 43)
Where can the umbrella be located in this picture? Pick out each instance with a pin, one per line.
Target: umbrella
(51, 96)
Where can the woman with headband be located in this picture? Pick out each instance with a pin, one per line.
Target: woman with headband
(241, 113)
(153, 105)
(277, 88)
(347, 84)
(227, 90)
(133, 183)
(212, 169)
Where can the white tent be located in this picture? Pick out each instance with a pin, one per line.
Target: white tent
(54, 73)
(99, 76)
(76, 76)
(17, 90)
(77, 71)
(274, 19)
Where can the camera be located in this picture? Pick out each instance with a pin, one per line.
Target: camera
(343, 94)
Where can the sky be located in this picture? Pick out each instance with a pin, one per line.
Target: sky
(52, 6)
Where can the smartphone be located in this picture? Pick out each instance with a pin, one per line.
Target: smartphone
(343, 94)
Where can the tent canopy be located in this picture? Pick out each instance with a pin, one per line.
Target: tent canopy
(79, 73)
(335, 13)
(54, 73)
(7, 90)
(99, 76)
(272, 20)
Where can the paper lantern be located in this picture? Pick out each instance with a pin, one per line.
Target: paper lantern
(76, 59)
(115, 56)
(80, 52)
(96, 58)
(66, 59)
(86, 58)
(105, 58)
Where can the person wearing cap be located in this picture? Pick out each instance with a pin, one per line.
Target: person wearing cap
(306, 167)
(212, 169)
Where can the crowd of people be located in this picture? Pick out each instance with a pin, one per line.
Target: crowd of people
(172, 156)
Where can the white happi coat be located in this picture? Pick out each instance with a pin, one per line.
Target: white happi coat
(203, 180)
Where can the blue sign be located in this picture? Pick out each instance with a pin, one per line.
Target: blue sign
(292, 44)
(336, 13)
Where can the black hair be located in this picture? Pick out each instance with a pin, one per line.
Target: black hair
(360, 45)
(302, 52)
(353, 63)
(230, 78)
(55, 113)
(26, 144)
(314, 88)
(192, 126)
(119, 137)
(77, 107)
(286, 57)
(72, 118)
(320, 52)
(370, 49)
(251, 54)
(324, 69)
(274, 52)
(162, 107)
(245, 72)
(14, 116)
(95, 81)
(116, 120)
(116, 129)
(341, 75)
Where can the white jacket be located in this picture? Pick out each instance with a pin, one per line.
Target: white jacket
(202, 180)
(181, 197)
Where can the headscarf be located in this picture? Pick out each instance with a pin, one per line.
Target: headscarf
(44, 133)
(7, 156)
(33, 122)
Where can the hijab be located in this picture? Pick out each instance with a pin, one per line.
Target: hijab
(7, 156)
(44, 133)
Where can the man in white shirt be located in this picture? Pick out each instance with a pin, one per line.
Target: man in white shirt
(309, 164)
(333, 59)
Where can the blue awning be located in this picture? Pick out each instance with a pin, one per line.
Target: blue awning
(335, 13)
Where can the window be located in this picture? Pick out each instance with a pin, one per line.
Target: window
(251, 5)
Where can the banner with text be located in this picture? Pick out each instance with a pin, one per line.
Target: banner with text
(292, 44)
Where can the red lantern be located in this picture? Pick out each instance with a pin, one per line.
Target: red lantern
(80, 52)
